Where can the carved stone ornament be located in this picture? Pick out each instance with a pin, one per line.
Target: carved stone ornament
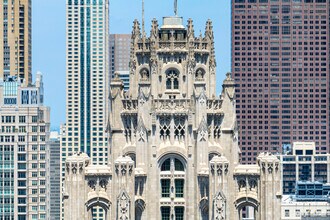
(130, 105)
(115, 92)
(132, 65)
(81, 167)
(68, 167)
(191, 65)
(123, 206)
(219, 206)
(144, 94)
(170, 105)
(136, 29)
(202, 130)
(270, 168)
(154, 29)
(103, 183)
(117, 168)
(154, 65)
(144, 75)
(199, 75)
(212, 66)
(190, 30)
(74, 168)
(141, 131)
(241, 183)
(253, 183)
(202, 97)
(92, 184)
(277, 167)
(123, 169)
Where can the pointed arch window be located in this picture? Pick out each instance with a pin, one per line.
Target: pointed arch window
(173, 185)
(172, 181)
(172, 79)
(166, 166)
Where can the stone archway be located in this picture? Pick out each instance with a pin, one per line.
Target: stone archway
(247, 202)
(139, 209)
(104, 203)
(204, 209)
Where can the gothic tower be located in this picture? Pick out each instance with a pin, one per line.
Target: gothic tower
(174, 151)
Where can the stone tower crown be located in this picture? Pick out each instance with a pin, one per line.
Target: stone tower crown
(172, 59)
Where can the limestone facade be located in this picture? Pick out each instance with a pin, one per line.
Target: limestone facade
(174, 151)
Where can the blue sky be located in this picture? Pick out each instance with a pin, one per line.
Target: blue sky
(48, 37)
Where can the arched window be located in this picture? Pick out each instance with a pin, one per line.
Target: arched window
(172, 180)
(172, 79)
(166, 166)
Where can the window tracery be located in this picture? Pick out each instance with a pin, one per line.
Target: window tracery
(179, 127)
(214, 127)
(172, 79)
(165, 127)
(130, 124)
(217, 127)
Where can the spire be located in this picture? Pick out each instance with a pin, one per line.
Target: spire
(143, 17)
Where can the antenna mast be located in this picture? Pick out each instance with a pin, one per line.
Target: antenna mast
(176, 7)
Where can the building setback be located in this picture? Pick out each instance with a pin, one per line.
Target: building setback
(119, 56)
(280, 63)
(24, 132)
(15, 43)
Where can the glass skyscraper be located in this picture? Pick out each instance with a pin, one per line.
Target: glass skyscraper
(87, 81)
(87, 78)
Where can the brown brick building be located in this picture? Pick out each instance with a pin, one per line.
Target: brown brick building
(15, 43)
(280, 63)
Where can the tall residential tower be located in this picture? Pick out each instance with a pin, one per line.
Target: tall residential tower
(280, 63)
(87, 79)
(15, 43)
(24, 132)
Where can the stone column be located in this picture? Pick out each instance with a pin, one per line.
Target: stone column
(270, 187)
(124, 188)
(218, 202)
(75, 187)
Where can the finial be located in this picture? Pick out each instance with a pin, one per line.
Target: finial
(228, 76)
(176, 7)
(142, 16)
(116, 76)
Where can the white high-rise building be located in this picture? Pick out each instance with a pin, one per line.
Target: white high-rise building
(87, 78)
(24, 132)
